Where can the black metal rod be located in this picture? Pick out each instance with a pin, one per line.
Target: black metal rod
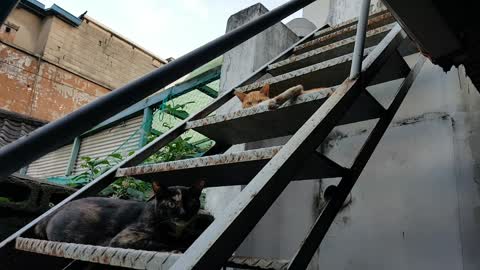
(62, 131)
(6, 6)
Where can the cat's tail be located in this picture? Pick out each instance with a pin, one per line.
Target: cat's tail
(40, 230)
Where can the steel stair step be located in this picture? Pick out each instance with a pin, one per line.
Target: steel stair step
(329, 73)
(343, 31)
(229, 169)
(259, 123)
(328, 52)
(129, 258)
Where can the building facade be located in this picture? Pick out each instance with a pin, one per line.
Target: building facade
(52, 62)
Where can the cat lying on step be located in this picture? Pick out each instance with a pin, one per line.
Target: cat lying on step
(261, 96)
(149, 225)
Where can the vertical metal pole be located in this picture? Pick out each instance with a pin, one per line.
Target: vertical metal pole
(146, 126)
(73, 155)
(360, 40)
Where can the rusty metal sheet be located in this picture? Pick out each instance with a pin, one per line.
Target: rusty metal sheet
(129, 258)
(328, 51)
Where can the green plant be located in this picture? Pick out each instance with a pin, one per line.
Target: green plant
(96, 166)
(178, 110)
(129, 188)
(180, 148)
(123, 188)
(4, 200)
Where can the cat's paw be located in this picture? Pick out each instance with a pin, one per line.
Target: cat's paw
(272, 105)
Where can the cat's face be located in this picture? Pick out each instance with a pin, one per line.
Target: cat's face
(255, 97)
(179, 202)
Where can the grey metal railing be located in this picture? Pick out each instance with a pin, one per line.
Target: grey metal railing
(360, 40)
(62, 131)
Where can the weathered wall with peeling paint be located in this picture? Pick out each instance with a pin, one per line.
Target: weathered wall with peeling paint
(49, 68)
(97, 53)
(36, 88)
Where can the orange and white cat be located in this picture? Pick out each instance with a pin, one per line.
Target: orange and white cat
(254, 98)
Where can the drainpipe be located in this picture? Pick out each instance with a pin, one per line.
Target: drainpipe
(360, 40)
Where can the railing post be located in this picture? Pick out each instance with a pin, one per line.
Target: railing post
(146, 126)
(73, 156)
(360, 40)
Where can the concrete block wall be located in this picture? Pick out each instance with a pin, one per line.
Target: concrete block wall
(97, 53)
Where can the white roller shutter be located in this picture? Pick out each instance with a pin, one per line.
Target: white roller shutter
(107, 141)
(52, 164)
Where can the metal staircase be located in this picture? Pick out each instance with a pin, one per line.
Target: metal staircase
(322, 58)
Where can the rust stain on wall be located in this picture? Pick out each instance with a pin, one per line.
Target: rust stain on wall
(39, 89)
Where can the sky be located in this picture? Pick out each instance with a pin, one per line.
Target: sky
(167, 28)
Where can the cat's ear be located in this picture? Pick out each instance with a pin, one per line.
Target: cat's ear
(266, 90)
(159, 190)
(198, 185)
(240, 95)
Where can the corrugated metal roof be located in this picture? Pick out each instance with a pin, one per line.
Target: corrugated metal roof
(121, 138)
(14, 126)
(53, 164)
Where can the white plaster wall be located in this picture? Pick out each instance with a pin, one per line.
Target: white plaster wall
(333, 12)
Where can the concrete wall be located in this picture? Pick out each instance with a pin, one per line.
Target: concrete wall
(333, 12)
(28, 28)
(96, 53)
(416, 205)
(238, 64)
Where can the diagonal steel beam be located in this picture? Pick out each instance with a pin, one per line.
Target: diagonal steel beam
(227, 232)
(322, 224)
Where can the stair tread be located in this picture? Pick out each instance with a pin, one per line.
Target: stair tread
(342, 31)
(328, 73)
(259, 123)
(350, 22)
(327, 52)
(130, 258)
(229, 169)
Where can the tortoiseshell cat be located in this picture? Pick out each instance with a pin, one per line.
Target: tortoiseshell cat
(126, 224)
(255, 98)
